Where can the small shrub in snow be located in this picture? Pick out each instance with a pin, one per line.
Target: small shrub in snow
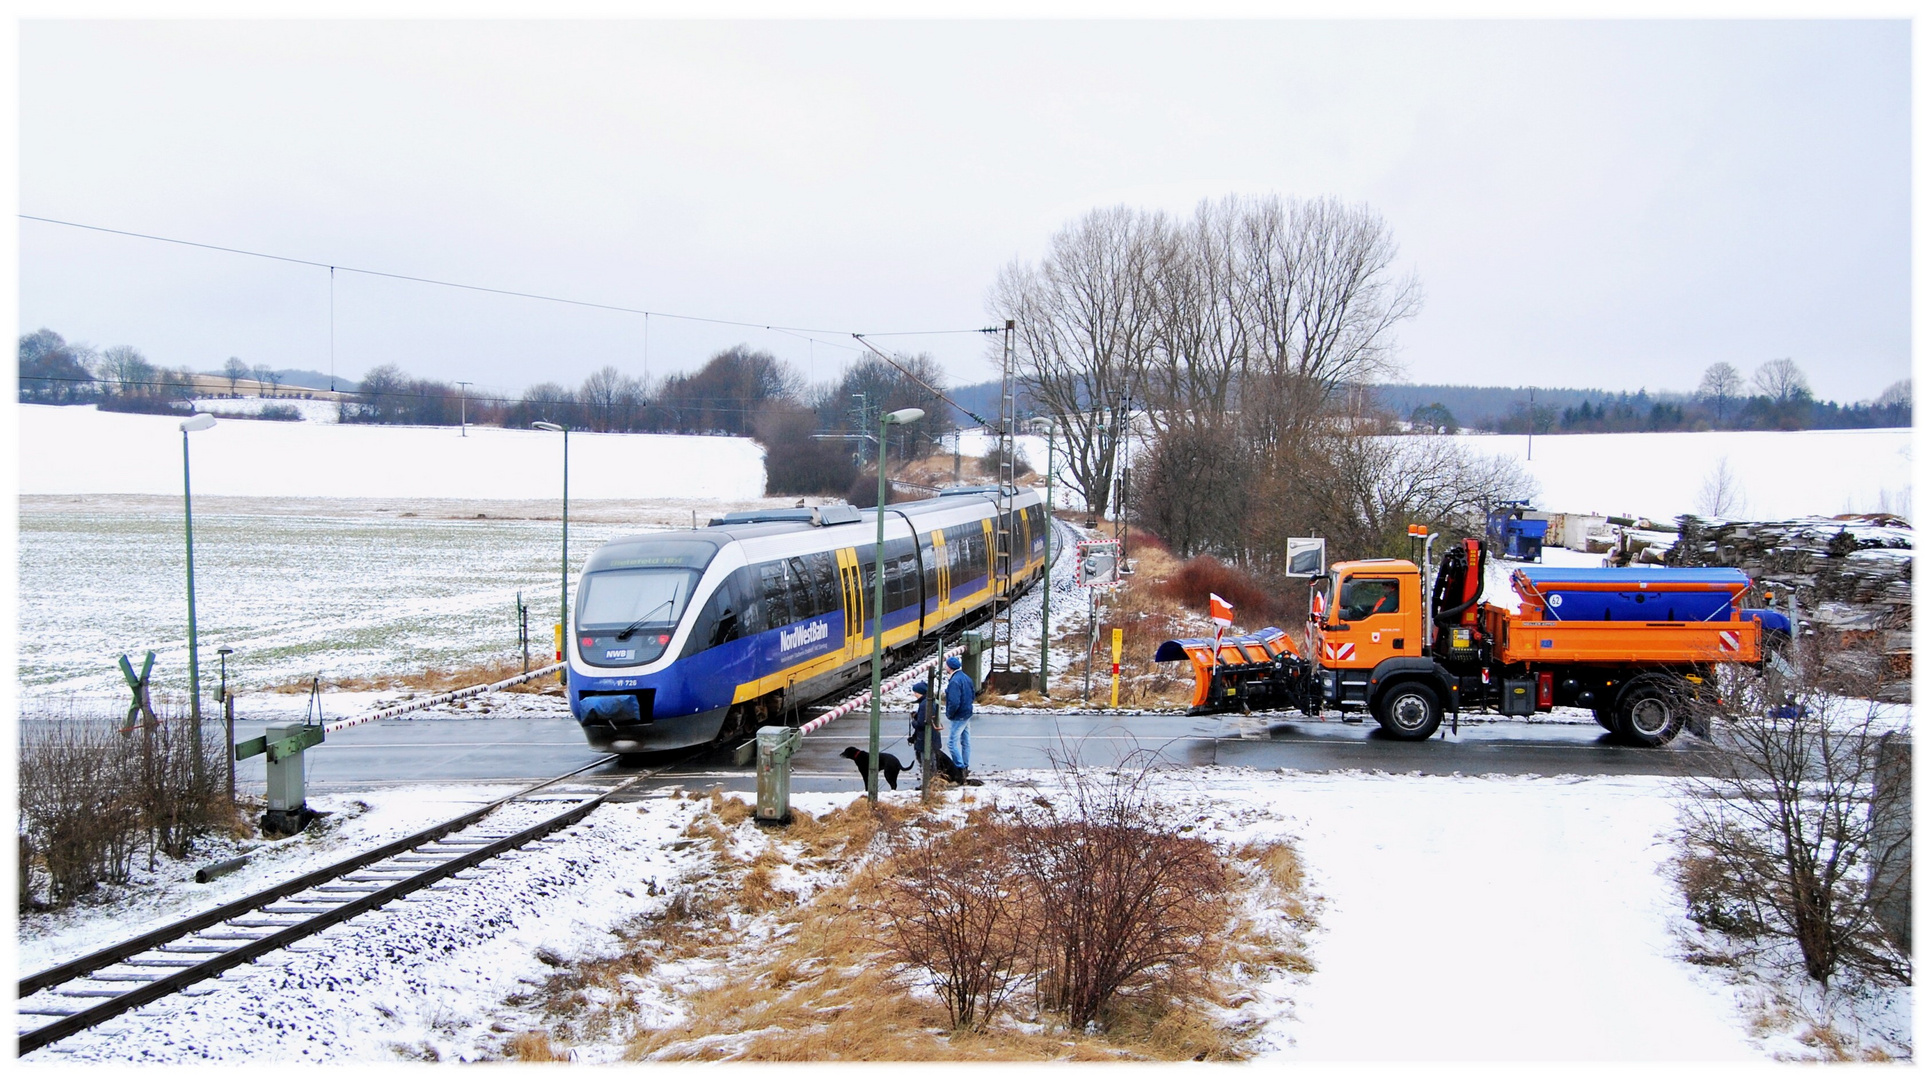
(1801, 834)
(93, 798)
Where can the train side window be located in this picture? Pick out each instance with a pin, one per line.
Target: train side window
(797, 581)
(824, 574)
(894, 584)
(908, 580)
(777, 601)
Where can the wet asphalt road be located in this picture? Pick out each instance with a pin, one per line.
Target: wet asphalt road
(506, 747)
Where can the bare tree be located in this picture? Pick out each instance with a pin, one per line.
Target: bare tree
(1202, 325)
(1325, 303)
(614, 401)
(1895, 394)
(128, 373)
(1722, 495)
(1084, 318)
(1721, 383)
(236, 370)
(1781, 381)
(268, 377)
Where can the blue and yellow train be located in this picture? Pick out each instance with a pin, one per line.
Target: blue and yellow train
(683, 638)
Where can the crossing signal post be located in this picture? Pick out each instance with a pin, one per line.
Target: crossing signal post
(1118, 641)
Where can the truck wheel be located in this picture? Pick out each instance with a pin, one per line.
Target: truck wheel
(1606, 718)
(1650, 712)
(1408, 711)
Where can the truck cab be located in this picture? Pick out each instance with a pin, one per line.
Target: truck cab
(1368, 641)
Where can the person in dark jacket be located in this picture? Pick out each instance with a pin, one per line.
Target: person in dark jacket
(924, 719)
(959, 691)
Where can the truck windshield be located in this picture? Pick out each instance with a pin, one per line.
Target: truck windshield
(1362, 597)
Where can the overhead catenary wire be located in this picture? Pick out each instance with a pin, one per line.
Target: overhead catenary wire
(422, 280)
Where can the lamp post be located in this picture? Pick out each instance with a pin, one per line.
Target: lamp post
(198, 423)
(563, 608)
(902, 416)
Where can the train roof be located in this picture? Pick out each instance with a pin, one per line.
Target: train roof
(777, 521)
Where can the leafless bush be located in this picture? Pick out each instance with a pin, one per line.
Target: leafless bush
(92, 799)
(1124, 900)
(1094, 898)
(77, 808)
(179, 800)
(1795, 837)
(954, 910)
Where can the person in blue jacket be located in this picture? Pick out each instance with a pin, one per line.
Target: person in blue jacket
(959, 692)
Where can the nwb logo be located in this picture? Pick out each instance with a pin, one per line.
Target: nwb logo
(803, 635)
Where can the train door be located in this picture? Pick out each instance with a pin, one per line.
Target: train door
(941, 559)
(851, 594)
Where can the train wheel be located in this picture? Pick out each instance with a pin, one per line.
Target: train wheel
(1408, 711)
(1650, 712)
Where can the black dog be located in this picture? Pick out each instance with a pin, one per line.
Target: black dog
(889, 767)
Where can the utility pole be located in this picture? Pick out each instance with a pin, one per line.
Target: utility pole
(465, 407)
(1003, 534)
(1045, 598)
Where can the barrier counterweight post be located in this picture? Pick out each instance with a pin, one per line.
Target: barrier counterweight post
(775, 745)
(287, 797)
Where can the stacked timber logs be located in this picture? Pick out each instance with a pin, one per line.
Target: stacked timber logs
(1849, 576)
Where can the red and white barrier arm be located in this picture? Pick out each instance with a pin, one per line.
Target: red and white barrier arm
(863, 697)
(418, 704)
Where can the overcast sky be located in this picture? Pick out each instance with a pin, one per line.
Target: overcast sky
(1611, 204)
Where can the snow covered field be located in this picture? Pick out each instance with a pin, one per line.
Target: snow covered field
(76, 449)
(1660, 475)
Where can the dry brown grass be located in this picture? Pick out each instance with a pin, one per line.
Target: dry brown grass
(535, 1046)
(772, 975)
(435, 680)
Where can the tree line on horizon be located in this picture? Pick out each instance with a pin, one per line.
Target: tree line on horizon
(818, 439)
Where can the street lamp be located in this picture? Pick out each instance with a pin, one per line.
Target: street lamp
(201, 422)
(563, 618)
(902, 416)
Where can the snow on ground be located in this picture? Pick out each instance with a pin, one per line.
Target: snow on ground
(295, 595)
(311, 410)
(1659, 475)
(1459, 919)
(77, 449)
(423, 979)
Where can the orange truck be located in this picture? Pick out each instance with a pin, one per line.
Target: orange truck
(1637, 646)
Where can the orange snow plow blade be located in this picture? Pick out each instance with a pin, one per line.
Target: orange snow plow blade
(1238, 654)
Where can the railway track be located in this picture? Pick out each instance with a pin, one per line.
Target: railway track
(79, 994)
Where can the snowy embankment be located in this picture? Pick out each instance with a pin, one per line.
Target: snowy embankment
(78, 450)
(1457, 919)
(1776, 474)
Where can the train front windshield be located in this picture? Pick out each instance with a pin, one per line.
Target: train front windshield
(633, 593)
(626, 617)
